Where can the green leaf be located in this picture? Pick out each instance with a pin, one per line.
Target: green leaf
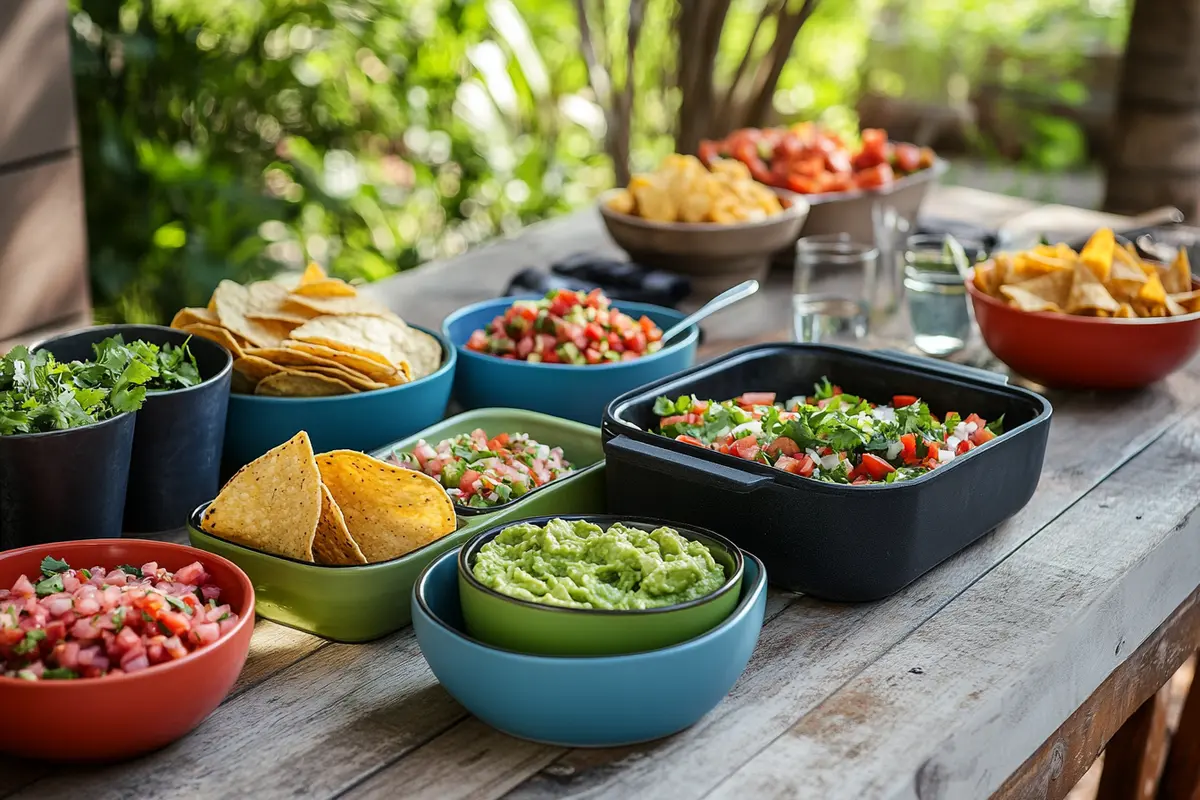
(59, 674)
(131, 570)
(53, 566)
(664, 407)
(49, 586)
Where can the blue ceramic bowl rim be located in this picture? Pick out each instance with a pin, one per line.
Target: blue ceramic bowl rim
(383, 453)
(449, 356)
(735, 617)
(116, 328)
(193, 524)
(685, 340)
(606, 521)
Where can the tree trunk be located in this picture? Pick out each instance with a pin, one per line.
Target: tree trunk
(1155, 158)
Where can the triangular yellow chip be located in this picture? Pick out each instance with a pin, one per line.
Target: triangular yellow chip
(1098, 253)
(1178, 277)
(1052, 289)
(1088, 293)
(1152, 292)
(334, 544)
(273, 503)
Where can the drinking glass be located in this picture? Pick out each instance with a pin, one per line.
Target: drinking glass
(938, 307)
(891, 230)
(834, 289)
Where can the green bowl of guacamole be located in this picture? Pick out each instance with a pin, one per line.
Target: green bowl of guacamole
(595, 585)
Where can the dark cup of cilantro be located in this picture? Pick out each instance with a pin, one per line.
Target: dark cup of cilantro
(180, 427)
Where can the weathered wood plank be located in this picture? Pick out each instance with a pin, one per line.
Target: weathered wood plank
(1011, 658)
(469, 761)
(1065, 757)
(35, 80)
(1134, 756)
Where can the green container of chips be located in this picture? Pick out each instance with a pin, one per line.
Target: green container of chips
(364, 602)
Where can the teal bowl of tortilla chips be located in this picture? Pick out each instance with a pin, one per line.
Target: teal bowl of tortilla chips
(362, 421)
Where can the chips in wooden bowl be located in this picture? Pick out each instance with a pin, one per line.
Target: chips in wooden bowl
(312, 338)
(1104, 279)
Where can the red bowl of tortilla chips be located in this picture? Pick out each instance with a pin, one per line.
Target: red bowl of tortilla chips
(1070, 351)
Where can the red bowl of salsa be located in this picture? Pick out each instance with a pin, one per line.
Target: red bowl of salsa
(181, 674)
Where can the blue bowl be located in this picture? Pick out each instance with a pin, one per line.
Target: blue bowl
(361, 421)
(562, 390)
(605, 701)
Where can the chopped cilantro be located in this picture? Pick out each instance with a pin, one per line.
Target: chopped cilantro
(178, 604)
(53, 566)
(49, 586)
(59, 674)
(30, 642)
(128, 570)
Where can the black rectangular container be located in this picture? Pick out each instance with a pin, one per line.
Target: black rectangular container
(833, 541)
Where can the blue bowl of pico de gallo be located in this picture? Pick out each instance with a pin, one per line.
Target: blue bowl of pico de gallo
(566, 354)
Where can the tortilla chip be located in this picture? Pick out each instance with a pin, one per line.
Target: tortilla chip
(384, 373)
(1026, 300)
(1152, 294)
(1125, 311)
(294, 320)
(1097, 254)
(216, 334)
(1178, 277)
(255, 368)
(190, 316)
(302, 384)
(333, 543)
(273, 503)
(315, 283)
(1054, 288)
(241, 384)
(312, 274)
(982, 276)
(338, 306)
(1031, 265)
(389, 510)
(235, 301)
(1174, 309)
(1189, 300)
(382, 339)
(1088, 293)
(424, 353)
(359, 382)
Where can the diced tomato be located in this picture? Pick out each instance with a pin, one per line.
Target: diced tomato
(903, 400)
(466, 484)
(876, 467)
(907, 157)
(874, 177)
(745, 447)
(699, 407)
(802, 466)
(689, 440)
(592, 356)
(782, 446)
(596, 299)
(860, 480)
(979, 421)
(756, 399)
(594, 332)
(908, 448)
(982, 436)
(963, 447)
(478, 341)
(174, 622)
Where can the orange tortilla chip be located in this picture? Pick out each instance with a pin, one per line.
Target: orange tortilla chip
(1178, 277)
(1089, 294)
(273, 503)
(389, 510)
(1097, 254)
(1152, 294)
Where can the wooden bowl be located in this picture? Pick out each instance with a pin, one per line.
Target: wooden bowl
(1072, 352)
(713, 253)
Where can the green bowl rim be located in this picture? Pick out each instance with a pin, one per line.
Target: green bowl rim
(740, 609)
(605, 520)
(383, 453)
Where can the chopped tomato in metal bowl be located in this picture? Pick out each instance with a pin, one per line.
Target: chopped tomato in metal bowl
(90, 623)
(567, 327)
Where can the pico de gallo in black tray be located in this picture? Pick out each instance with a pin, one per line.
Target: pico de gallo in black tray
(479, 471)
(828, 436)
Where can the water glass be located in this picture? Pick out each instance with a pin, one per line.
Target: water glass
(938, 307)
(892, 230)
(834, 289)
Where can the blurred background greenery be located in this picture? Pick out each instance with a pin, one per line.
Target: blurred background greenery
(232, 138)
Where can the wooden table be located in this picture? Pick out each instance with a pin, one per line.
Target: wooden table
(1007, 668)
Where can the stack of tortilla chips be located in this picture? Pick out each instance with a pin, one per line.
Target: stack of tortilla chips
(316, 337)
(1105, 279)
(341, 507)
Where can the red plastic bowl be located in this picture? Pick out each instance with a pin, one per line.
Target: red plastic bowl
(124, 715)
(1072, 352)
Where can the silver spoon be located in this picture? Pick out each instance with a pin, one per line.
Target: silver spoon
(725, 298)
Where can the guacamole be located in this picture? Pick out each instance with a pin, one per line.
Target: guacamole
(578, 564)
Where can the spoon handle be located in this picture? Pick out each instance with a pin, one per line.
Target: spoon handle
(725, 298)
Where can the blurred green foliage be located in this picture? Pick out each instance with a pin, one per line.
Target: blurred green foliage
(233, 138)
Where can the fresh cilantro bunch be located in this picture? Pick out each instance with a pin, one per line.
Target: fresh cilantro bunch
(39, 394)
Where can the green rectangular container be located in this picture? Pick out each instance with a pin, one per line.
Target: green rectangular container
(360, 603)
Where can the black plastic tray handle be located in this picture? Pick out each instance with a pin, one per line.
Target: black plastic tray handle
(944, 367)
(684, 467)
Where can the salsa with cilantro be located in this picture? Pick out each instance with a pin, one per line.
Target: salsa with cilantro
(829, 436)
(39, 394)
(482, 472)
